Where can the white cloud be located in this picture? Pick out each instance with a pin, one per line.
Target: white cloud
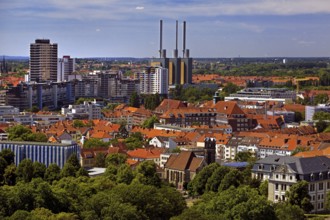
(98, 30)
(139, 8)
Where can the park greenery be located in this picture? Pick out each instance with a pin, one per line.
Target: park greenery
(22, 133)
(32, 191)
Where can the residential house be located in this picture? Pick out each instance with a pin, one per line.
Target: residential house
(163, 142)
(142, 154)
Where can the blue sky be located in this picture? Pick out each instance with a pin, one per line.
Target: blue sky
(122, 28)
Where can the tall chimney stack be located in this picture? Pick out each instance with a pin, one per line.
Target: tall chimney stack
(161, 39)
(175, 52)
(184, 39)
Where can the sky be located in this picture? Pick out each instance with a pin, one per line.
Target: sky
(130, 28)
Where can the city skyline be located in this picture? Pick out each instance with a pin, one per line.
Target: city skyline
(111, 28)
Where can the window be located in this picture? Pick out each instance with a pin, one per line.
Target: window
(328, 185)
(312, 177)
(276, 197)
(290, 177)
(313, 198)
(321, 176)
(312, 187)
(276, 177)
(320, 186)
(283, 177)
(276, 186)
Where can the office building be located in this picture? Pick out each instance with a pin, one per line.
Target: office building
(43, 61)
(46, 153)
(65, 67)
(116, 88)
(311, 110)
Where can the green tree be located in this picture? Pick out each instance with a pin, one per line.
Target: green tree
(214, 181)
(298, 195)
(100, 160)
(10, 175)
(321, 126)
(22, 133)
(39, 169)
(321, 116)
(298, 116)
(78, 123)
(8, 155)
(230, 88)
(3, 166)
(243, 156)
(124, 174)
(233, 178)
(52, 173)
(20, 215)
(134, 141)
(95, 143)
(321, 99)
(151, 101)
(263, 188)
(134, 100)
(235, 203)
(286, 211)
(146, 173)
(149, 123)
(24, 170)
(116, 159)
(198, 185)
(15, 133)
(73, 160)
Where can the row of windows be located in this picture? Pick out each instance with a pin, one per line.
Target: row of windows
(320, 186)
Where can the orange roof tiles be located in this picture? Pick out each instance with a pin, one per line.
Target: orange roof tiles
(146, 153)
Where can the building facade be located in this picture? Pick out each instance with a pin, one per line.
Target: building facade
(283, 172)
(65, 67)
(43, 61)
(46, 153)
(154, 80)
(311, 110)
(51, 95)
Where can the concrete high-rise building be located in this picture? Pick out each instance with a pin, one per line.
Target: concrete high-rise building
(154, 80)
(65, 67)
(43, 61)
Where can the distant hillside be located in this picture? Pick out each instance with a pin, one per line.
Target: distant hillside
(15, 57)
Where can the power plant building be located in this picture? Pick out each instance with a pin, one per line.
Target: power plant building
(179, 68)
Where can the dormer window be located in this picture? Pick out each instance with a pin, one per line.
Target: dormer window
(312, 177)
(321, 176)
(261, 167)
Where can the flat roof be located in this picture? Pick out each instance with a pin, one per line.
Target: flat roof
(37, 143)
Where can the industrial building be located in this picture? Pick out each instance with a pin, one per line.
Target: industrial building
(179, 68)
